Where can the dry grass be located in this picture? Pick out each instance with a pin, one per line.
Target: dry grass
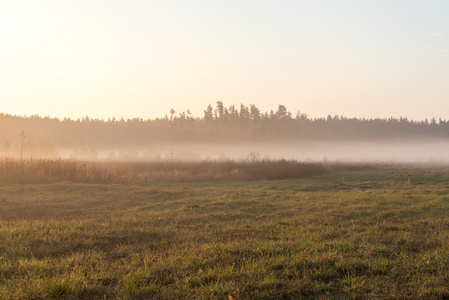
(341, 235)
(48, 171)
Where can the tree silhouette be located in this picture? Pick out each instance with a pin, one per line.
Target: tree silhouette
(21, 144)
(208, 114)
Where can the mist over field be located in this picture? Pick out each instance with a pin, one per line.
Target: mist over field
(428, 151)
(226, 133)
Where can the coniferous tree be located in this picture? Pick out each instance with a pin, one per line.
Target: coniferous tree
(208, 114)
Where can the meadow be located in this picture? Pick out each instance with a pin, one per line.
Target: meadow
(340, 233)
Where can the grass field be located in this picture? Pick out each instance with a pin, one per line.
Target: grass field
(376, 233)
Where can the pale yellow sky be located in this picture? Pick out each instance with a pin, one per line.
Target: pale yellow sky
(113, 58)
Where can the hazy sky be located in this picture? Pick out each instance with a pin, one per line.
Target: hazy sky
(139, 58)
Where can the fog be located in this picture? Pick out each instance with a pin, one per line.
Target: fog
(225, 133)
(425, 151)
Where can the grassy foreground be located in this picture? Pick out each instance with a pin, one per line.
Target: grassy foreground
(352, 234)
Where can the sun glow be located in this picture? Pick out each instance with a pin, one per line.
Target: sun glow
(142, 58)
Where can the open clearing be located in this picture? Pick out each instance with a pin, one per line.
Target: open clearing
(352, 234)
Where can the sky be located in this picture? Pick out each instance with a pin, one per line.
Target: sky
(141, 58)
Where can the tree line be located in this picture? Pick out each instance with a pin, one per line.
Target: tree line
(219, 124)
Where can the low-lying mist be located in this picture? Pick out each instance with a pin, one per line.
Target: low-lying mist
(208, 162)
(435, 151)
(226, 133)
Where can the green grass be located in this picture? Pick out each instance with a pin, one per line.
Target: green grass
(343, 235)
